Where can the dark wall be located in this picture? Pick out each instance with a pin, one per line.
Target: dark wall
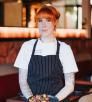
(1, 14)
(28, 1)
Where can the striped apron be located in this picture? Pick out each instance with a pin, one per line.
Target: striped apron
(45, 73)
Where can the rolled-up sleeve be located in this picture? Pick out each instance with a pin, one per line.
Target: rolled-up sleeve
(67, 59)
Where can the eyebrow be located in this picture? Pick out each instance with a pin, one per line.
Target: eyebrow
(45, 18)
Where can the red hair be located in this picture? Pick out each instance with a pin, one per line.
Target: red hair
(48, 12)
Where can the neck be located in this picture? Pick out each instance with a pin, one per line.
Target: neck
(48, 39)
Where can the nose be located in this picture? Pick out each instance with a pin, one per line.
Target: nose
(44, 22)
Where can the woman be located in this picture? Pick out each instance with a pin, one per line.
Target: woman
(46, 65)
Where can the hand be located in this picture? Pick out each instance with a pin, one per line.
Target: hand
(53, 98)
(31, 99)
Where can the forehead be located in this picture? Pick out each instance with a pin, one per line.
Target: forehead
(45, 15)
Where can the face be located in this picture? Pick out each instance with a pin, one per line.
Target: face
(46, 26)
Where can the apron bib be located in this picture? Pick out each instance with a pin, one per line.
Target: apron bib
(45, 73)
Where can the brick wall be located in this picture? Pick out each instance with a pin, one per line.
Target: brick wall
(9, 49)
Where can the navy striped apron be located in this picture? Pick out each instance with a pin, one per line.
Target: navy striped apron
(45, 73)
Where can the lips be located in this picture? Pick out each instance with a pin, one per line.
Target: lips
(44, 30)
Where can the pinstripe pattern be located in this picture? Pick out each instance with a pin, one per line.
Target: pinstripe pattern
(45, 73)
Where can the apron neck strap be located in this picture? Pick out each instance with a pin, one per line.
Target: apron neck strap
(58, 47)
(34, 47)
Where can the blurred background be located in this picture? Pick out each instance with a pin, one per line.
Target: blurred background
(17, 24)
(75, 14)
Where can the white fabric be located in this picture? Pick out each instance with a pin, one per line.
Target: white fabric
(23, 83)
(68, 88)
(44, 49)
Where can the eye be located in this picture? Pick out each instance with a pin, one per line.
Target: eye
(48, 20)
(39, 20)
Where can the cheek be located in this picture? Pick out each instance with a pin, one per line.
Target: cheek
(51, 26)
(39, 25)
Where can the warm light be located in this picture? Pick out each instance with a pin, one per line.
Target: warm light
(48, 4)
(91, 2)
(15, 32)
(31, 23)
(19, 1)
(75, 8)
(24, 17)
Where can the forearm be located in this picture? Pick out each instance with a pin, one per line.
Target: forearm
(68, 88)
(26, 91)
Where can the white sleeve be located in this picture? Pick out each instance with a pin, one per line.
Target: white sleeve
(68, 88)
(24, 56)
(67, 59)
(26, 91)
